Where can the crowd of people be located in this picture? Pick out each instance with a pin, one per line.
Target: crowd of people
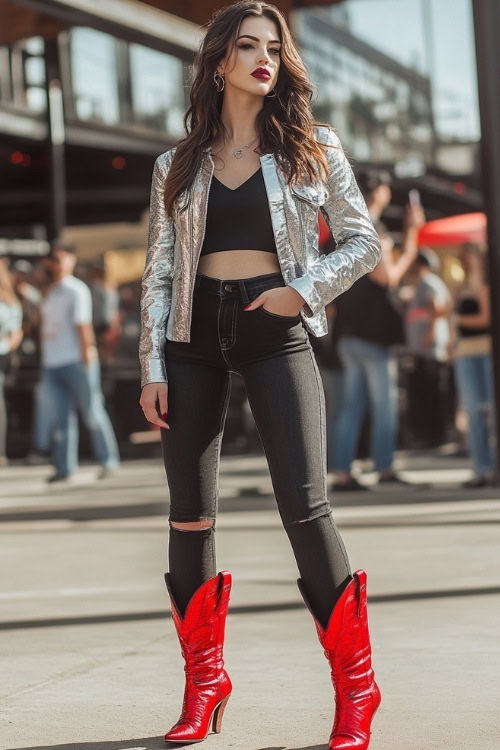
(403, 311)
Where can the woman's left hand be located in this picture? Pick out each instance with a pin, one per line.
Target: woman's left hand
(282, 300)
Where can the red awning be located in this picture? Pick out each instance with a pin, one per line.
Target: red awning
(454, 230)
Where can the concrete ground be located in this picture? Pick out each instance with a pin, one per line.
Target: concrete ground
(89, 655)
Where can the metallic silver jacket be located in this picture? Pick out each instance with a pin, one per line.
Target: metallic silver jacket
(174, 247)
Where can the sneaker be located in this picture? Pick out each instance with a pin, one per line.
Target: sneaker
(58, 478)
(392, 479)
(352, 485)
(476, 482)
(106, 472)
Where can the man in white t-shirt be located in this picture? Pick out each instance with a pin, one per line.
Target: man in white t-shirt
(70, 369)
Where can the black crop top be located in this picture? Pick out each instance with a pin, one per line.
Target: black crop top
(240, 218)
(470, 306)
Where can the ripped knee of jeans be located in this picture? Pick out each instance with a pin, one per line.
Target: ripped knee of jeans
(202, 525)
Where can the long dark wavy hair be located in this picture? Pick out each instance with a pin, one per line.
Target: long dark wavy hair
(285, 123)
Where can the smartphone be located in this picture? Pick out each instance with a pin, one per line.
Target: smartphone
(414, 198)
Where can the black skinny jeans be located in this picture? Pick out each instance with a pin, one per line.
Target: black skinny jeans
(274, 356)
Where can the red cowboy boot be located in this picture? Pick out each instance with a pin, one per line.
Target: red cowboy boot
(346, 643)
(201, 636)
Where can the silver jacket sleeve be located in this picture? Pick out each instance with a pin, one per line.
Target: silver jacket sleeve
(358, 245)
(156, 281)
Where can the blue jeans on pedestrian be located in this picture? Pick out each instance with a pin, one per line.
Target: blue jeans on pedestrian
(77, 388)
(369, 379)
(43, 417)
(474, 376)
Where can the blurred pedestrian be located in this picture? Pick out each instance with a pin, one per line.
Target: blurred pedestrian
(474, 366)
(428, 339)
(375, 184)
(43, 411)
(234, 282)
(11, 334)
(71, 370)
(29, 297)
(325, 350)
(105, 310)
(370, 326)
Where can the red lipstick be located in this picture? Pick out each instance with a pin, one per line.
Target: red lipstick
(262, 73)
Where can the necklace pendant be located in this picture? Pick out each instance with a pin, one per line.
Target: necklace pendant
(238, 153)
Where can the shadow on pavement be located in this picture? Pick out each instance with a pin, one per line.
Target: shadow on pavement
(237, 504)
(144, 743)
(239, 610)
(132, 510)
(397, 524)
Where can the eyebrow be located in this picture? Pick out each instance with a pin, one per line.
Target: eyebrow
(256, 39)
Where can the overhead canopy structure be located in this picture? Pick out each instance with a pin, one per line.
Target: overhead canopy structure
(126, 19)
(200, 11)
(162, 24)
(454, 230)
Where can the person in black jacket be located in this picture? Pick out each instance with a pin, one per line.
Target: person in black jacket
(369, 326)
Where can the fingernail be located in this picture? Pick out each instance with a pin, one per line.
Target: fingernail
(164, 416)
(246, 308)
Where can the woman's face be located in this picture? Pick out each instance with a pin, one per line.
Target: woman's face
(257, 46)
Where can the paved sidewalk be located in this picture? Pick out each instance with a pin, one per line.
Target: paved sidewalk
(89, 655)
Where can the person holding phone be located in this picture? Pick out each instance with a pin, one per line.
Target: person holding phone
(369, 327)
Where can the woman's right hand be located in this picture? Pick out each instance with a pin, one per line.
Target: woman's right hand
(155, 395)
(414, 216)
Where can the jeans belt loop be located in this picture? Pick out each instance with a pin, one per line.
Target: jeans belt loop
(243, 290)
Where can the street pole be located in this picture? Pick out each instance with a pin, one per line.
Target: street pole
(55, 119)
(487, 34)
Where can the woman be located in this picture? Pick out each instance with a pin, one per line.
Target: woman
(11, 334)
(233, 283)
(473, 364)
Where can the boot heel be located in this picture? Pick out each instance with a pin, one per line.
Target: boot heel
(218, 714)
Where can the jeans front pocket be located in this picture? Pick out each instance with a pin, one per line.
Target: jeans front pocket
(276, 316)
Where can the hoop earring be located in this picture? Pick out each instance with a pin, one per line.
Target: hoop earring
(271, 95)
(217, 79)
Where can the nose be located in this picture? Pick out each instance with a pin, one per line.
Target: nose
(264, 58)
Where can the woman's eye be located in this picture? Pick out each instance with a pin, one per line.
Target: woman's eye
(274, 50)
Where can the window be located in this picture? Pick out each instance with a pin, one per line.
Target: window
(34, 74)
(94, 75)
(157, 89)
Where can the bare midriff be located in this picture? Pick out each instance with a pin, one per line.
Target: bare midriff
(238, 264)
